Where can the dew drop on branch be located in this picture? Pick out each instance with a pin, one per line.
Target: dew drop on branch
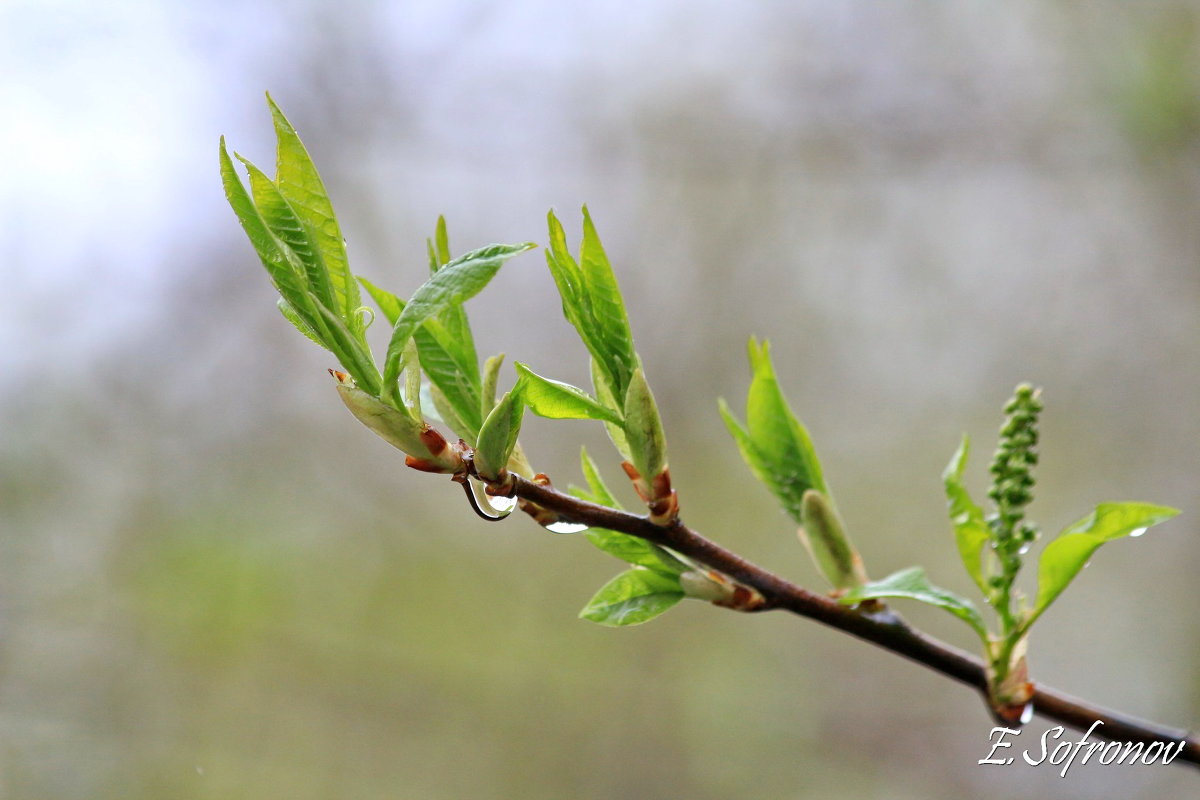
(566, 527)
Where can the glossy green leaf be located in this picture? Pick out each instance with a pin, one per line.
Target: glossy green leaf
(971, 530)
(284, 269)
(773, 442)
(498, 436)
(282, 220)
(556, 400)
(592, 302)
(569, 280)
(456, 282)
(824, 536)
(913, 584)
(633, 597)
(643, 429)
(1064, 557)
(298, 181)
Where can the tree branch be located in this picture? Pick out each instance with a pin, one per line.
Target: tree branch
(883, 628)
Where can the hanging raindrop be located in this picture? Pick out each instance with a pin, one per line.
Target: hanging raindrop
(496, 503)
(499, 504)
(566, 527)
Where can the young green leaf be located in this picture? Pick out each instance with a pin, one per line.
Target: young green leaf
(282, 266)
(498, 436)
(633, 597)
(282, 220)
(913, 584)
(298, 181)
(1064, 557)
(592, 302)
(569, 281)
(970, 526)
(610, 322)
(442, 358)
(458, 380)
(456, 282)
(643, 429)
(824, 536)
(606, 398)
(774, 444)
(450, 325)
(440, 246)
(557, 400)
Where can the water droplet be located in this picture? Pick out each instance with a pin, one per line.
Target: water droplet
(502, 505)
(1023, 549)
(566, 527)
(1137, 532)
(1027, 713)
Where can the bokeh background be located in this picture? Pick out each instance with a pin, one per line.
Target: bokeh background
(215, 584)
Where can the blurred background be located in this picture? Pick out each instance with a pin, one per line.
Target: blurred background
(215, 584)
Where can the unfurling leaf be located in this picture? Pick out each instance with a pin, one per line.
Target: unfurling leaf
(591, 301)
(774, 444)
(824, 536)
(643, 429)
(427, 449)
(498, 436)
(913, 584)
(970, 526)
(633, 597)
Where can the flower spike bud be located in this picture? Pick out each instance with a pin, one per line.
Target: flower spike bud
(427, 449)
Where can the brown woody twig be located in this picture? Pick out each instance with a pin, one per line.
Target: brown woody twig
(881, 627)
